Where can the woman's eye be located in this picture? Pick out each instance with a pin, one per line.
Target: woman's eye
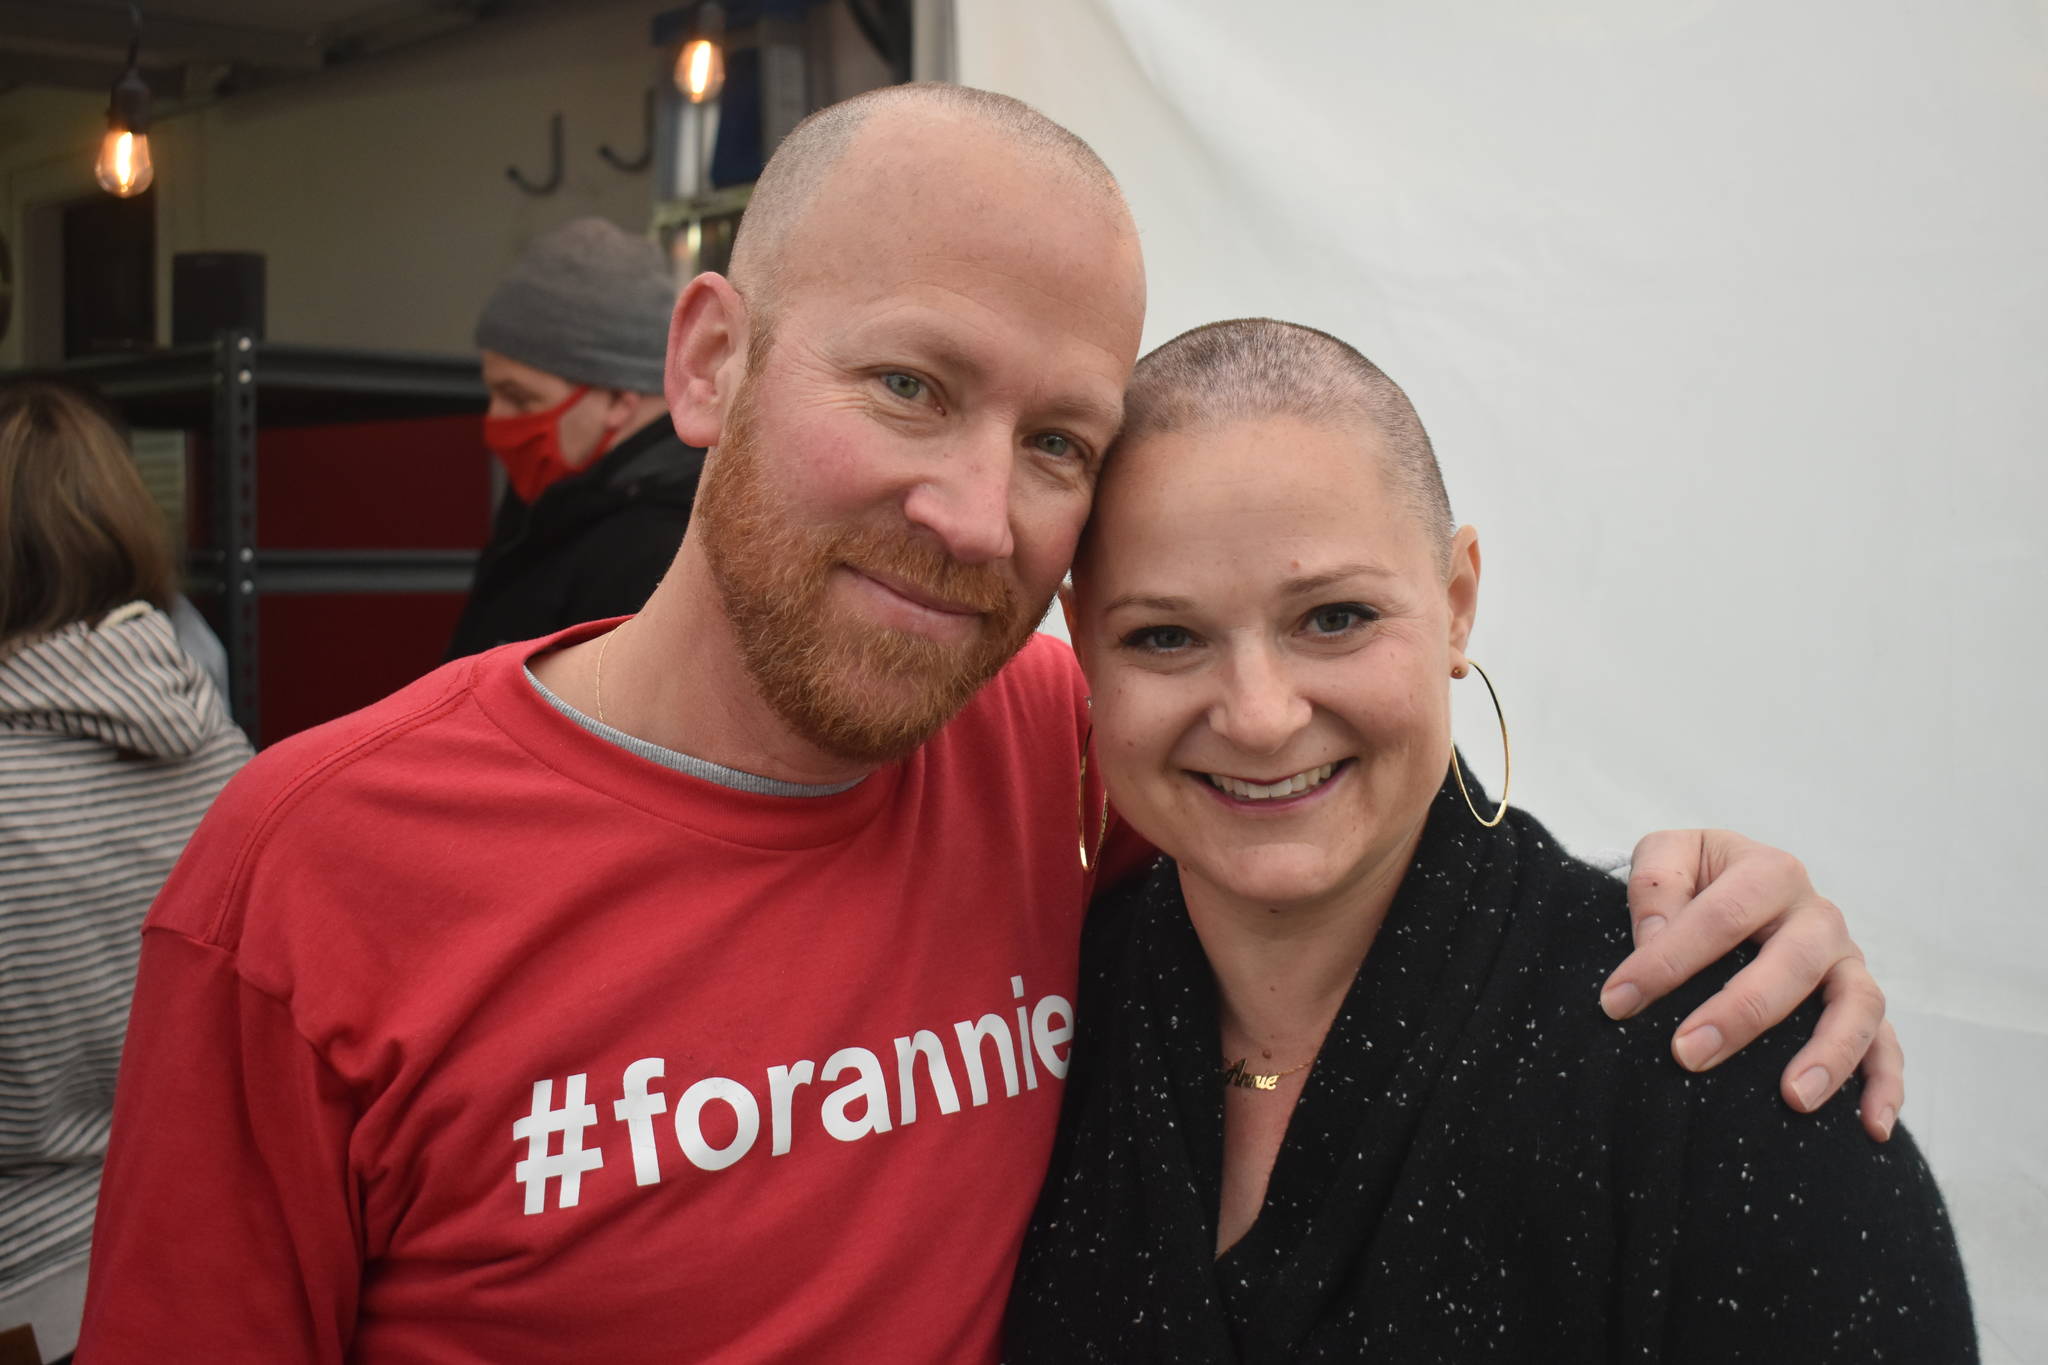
(1339, 617)
(1158, 639)
(907, 386)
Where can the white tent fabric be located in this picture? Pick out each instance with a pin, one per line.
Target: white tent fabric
(1729, 321)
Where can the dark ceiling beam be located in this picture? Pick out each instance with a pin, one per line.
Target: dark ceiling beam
(388, 27)
(78, 73)
(102, 29)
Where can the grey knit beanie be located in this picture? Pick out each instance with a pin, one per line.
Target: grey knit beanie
(588, 301)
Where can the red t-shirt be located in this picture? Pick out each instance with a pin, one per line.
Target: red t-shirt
(464, 1035)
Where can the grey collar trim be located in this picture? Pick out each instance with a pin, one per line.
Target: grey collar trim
(685, 763)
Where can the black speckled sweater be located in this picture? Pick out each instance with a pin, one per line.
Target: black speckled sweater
(1482, 1166)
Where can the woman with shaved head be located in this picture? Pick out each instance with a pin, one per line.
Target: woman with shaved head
(1339, 1092)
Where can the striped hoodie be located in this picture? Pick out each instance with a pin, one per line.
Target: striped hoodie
(112, 744)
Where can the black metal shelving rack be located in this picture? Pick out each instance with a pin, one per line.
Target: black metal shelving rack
(232, 390)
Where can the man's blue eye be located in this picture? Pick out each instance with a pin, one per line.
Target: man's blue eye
(904, 385)
(1052, 443)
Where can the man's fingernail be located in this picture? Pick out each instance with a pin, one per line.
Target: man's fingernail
(1621, 1001)
(1647, 928)
(1811, 1085)
(1886, 1119)
(1697, 1048)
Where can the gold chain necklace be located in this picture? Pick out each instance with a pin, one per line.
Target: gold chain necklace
(1243, 1078)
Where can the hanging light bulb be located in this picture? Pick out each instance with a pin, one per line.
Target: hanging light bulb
(700, 70)
(700, 65)
(124, 168)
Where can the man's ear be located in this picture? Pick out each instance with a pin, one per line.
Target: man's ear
(1463, 589)
(1066, 596)
(707, 357)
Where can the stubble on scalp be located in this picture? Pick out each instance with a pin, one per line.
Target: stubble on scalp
(766, 250)
(854, 689)
(1249, 368)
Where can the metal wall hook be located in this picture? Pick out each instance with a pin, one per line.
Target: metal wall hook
(646, 157)
(554, 180)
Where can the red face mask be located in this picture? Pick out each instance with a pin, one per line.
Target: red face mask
(530, 447)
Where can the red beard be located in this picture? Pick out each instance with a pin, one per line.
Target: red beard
(852, 688)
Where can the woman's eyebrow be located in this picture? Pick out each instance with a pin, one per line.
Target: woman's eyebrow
(1292, 587)
(1149, 603)
(1310, 583)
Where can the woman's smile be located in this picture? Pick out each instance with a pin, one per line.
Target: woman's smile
(1289, 793)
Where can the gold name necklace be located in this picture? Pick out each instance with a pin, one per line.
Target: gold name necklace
(1241, 1076)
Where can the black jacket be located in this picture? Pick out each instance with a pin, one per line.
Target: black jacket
(1482, 1166)
(592, 546)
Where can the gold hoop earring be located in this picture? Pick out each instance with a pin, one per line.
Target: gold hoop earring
(1089, 858)
(1507, 760)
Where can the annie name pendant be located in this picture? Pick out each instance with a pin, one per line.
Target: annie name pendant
(1244, 1078)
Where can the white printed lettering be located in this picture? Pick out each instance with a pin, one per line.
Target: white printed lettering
(1044, 1040)
(856, 1105)
(689, 1122)
(972, 1035)
(924, 1043)
(637, 1110)
(870, 1089)
(782, 1084)
(566, 1166)
(1024, 1032)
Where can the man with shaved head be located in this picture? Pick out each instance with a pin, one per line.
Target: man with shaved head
(699, 986)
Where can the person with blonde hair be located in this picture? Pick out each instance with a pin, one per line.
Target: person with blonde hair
(112, 743)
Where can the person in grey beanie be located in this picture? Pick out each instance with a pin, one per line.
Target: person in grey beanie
(598, 487)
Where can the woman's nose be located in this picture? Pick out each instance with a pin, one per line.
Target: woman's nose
(1261, 708)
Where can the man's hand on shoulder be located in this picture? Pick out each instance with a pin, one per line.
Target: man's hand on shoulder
(1694, 895)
